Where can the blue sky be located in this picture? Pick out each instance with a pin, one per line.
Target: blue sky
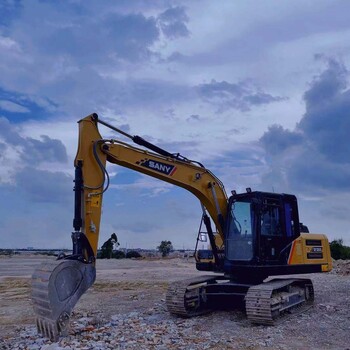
(258, 91)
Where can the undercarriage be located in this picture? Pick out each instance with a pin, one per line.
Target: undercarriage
(264, 303)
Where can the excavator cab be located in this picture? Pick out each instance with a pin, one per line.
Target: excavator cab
(260, 227)
(260, 234)
(259, 230)
(263, 237)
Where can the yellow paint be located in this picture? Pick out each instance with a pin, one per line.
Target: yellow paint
(95, 200)
(299, 251)
(324, 268)
(198, 180)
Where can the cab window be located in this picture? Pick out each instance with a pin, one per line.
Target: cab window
(239, 241)
(270, 222)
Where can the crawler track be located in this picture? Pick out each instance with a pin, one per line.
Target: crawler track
(266, 303)
(187, 298)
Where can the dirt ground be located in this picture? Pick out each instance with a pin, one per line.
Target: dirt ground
(126, 286)
(123, 285)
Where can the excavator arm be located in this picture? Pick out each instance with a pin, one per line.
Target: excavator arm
(57, 286)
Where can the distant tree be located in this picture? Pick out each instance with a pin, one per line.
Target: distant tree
(165, 248)
(133, 254)
(107, 247)
(338, 250)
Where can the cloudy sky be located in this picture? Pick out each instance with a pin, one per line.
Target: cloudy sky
(258, 91)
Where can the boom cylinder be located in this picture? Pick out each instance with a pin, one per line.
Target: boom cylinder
(78, 221)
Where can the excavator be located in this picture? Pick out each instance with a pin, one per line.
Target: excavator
(251, 237)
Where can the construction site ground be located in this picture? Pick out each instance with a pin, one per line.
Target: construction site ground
(125, 309)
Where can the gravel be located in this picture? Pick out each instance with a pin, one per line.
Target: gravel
(145, 324)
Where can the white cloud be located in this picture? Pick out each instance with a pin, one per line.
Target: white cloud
(10, 164)
(9, 45)
(13, 107)
(146, 186)
(113, 58)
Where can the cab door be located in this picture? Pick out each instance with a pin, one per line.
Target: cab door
(271, 233)
(279, 226)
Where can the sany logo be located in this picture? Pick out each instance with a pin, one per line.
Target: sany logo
(163, 168)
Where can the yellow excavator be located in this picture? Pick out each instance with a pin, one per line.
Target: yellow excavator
(255, 235)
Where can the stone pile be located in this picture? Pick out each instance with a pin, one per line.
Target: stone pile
(341, 267)
(147, 330)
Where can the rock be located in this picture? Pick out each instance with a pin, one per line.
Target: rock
(53, 346)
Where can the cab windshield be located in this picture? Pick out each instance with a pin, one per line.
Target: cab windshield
(239, 238)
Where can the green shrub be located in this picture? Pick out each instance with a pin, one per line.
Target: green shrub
(118, 255)
(7, 252)
(133, 254)
(339, 251)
